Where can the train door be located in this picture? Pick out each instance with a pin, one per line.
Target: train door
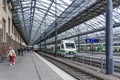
(62, 51)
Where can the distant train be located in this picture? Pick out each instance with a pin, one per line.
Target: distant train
(66, 48)
(99, 47)
(36, 48)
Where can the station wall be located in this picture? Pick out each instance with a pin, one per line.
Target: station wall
(9, 36)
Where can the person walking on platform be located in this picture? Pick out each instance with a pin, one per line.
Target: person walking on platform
(12, 56)
(21, 51)
(18, 52)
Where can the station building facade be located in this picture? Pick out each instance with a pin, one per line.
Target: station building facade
(9, 35)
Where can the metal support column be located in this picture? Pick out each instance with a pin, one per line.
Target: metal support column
(56, 39)
(40, 43)
(40, 40)
(78, 43)
(55, 28)
(45, 41)
(92, 48)
(109, 37)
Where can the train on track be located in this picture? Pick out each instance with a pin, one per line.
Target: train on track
(100, 47)
(66, 48)
(36, 48)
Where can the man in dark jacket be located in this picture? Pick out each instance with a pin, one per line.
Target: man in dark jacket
(18, 52)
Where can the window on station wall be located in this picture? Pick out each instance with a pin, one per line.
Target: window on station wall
(14, 31)
(12, 28)
(4, 30)
(4, 4)
(18, 38)
(8, 26)
(9, 5)
(17, 35)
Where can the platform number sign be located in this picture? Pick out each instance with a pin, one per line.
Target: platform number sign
(91, 40)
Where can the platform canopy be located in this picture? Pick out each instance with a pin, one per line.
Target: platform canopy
(35, 19)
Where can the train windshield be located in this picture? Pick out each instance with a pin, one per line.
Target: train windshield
(70, 45)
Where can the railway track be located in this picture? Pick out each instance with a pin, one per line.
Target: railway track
(74, 68)
(97, 62)
(100, 53)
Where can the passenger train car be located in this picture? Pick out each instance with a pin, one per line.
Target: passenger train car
(99, 47)
(66, 48)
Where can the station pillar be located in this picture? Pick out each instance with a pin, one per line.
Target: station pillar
(55, 28)
(45, 41)
(78, 43)
(40, 43)
(55, 39)
(109, 37)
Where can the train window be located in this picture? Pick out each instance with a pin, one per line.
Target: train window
(70, 45)
(103, 44)
(115, 44)
(62, 46)
(58, 47)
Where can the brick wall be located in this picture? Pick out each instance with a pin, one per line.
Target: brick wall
(15, 45)
(1, 44)
(9, 42)
(4, 46)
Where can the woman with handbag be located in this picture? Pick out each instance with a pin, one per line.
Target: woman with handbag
(12, 56)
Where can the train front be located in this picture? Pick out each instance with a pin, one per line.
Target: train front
(70, 48)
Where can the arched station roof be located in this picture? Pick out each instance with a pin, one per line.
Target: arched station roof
(36, 18)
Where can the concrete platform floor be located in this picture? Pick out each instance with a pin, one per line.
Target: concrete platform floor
(32, 67)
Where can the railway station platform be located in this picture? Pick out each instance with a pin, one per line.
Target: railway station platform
(32, 67)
